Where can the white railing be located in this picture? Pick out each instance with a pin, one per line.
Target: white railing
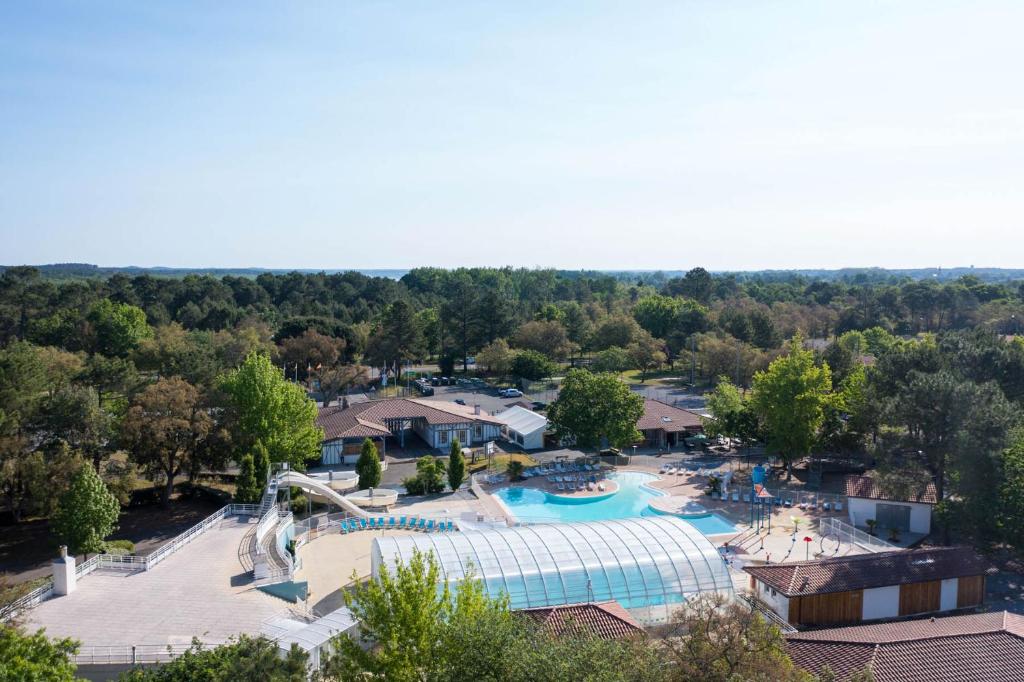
(131, 562)
(133, 654)
(267, 521)
(844, 532)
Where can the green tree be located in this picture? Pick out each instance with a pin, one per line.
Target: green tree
(790, 399)
(730, 412)
(545, 337)
(1011, 492)
(265, 407)
(117, 327)
(533, 366)
(166, 429)
(714, 639)
(592, 409)
(246, 659)
(261, 458)
(456, 465)
(614, 359)
(496, 357)
(413, 628)
(368, 466)
(430, 473)
(86, 513)
(646, 354)
(35, 657)
(514, 469)
(657, 314)
(246, 489)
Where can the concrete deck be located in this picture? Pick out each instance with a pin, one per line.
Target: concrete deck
(200, 591)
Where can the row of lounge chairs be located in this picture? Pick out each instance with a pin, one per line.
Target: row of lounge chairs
(785, 502)
(559, 468)
(573, 482)
(402, 523)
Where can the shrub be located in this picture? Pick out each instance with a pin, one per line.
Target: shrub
(119, 547)
(515, 469)
(368, 466)
(413, 486)
(299, 504)
(456, 466)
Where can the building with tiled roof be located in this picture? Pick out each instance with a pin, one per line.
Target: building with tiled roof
(851, 589)
(607, 620)
(984, 647)
(664, 425)
(907, 512)
(435, 422)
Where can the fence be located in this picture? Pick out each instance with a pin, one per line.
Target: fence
(133, 654)
(129, 562)
(844, 532)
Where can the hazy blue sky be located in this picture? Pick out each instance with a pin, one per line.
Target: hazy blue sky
(728, 134)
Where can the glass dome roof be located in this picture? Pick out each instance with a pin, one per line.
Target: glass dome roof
(650, 565)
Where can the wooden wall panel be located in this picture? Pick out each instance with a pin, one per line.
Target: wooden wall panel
(836, 608)
(970, 591)
(920, 597)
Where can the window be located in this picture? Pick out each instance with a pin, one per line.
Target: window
(464, 437)
(442, 437)
(479, 431)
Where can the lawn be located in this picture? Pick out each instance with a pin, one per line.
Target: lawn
(500, 462)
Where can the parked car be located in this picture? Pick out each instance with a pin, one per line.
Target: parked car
(460, 401)
(538, 405)
(435, 381)
(510, 393)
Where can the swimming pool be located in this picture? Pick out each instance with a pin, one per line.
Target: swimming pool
(632, 499)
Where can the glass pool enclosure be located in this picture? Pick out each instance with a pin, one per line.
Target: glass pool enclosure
(650, 565)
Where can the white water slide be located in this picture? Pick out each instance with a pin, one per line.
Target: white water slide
(312, 485)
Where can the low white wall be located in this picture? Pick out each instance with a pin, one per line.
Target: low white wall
(778, 602)
(920, 514)
(881, 602)
(947, 599)
(920, 518)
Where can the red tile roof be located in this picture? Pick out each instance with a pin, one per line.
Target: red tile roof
(607, 620)
(864, 571)
(369, 419)
(985, 647)
(868, 488)
(659, 415)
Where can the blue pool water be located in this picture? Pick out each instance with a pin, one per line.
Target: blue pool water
(632, 499)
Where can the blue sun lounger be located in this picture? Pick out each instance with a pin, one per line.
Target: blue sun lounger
(450, 526)
(391, 522)
(401, 522)
(353, 525)
(430, 525)
(362, 523)
(422, 524)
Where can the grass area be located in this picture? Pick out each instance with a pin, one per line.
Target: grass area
(12, 593)
(500, 462)
(666, 377)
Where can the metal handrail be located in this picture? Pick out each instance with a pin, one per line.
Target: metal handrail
(833, 526)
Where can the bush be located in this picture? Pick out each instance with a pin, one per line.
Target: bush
(414, 486)
(119, 547)
(299, 504)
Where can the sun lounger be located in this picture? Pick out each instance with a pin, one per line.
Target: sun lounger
(839, 506)
(561, 486)
(451, 526)
(391, 522)
(401, 522)
(746, 497)
(600, 486)
(430, 525)
(422, 524)
(827, 506)
(735, 497)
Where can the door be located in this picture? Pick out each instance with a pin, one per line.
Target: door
(893, 516)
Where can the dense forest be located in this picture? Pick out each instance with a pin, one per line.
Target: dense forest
(150, 376)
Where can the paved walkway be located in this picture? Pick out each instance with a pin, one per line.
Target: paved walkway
(200, 591)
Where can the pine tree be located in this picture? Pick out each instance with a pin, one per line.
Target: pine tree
(246, 489)
(86, 513)
(368, 466)
(456, 465)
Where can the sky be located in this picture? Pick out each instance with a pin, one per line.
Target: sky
(652, 135)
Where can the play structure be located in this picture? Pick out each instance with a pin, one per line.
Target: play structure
(761, 501)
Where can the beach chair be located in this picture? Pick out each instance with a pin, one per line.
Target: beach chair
(343, 526)
(559, 487)
(401, 522)
(363, 524)
(451, 526)
(353, 525)
(422, 524)
(735, 497)
(789, 502)
(373, 522)
(391, 522)
(430, 525)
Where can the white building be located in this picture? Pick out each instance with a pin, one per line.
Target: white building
(906, 513)
(523, 427)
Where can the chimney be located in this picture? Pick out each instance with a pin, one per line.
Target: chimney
(64, 576)
(476, 409)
